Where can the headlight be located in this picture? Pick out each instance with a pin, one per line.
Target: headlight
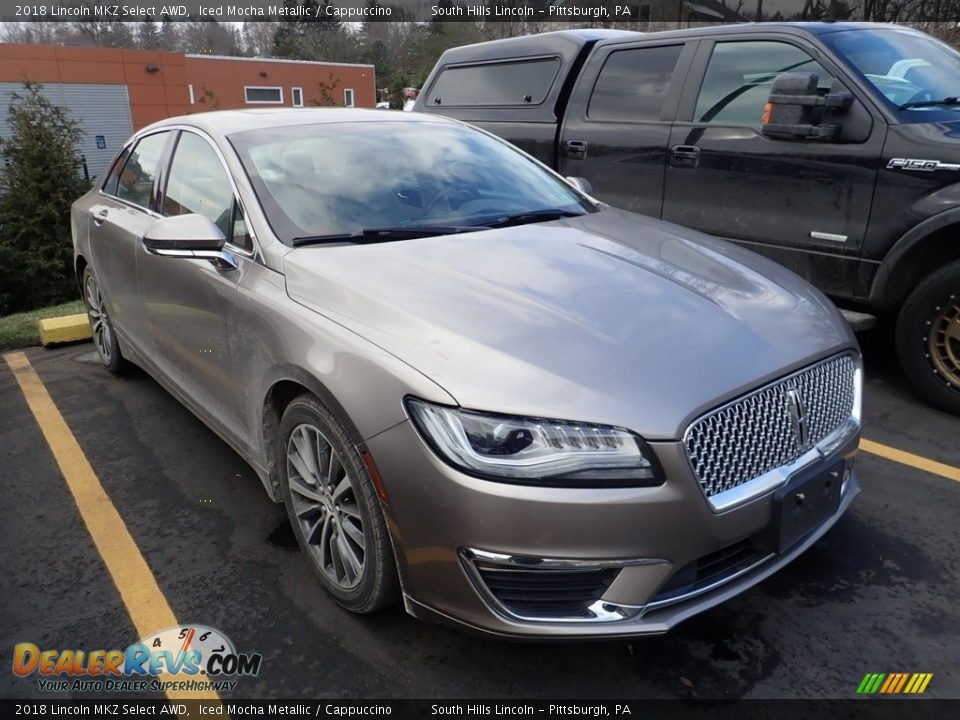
(534, 451)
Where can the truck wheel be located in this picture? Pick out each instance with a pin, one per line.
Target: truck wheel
(333, 508)
(928, 338)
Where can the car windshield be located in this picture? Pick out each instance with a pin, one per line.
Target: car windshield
(334, 179)
(908, 68)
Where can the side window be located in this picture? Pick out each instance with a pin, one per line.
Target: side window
(740, 75)
(507, 83)
(633, 84)
(198, 183)
(110, 184)
(135, 183)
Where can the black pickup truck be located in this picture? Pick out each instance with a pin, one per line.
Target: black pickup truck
(832, 148)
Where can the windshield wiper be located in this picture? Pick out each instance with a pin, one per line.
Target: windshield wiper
(531, 216)
(931, 103)
(386, 234)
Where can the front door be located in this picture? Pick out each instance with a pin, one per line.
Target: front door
(189, 303)
(804, 203)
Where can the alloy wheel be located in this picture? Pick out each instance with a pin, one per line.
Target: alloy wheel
(99, 321)
(944, 341)
(325, 504)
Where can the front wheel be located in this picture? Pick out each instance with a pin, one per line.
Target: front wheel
(333, 508)
(928, 338)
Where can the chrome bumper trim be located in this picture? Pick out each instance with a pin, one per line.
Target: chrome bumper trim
(600, 611)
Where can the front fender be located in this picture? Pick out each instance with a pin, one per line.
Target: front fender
(889, 282)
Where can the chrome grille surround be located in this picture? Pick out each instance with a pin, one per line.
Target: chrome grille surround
(763, 431)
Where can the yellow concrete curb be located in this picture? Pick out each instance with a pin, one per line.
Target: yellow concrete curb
(68, 328)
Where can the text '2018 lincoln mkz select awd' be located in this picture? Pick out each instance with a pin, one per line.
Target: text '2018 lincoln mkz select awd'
(474, 387)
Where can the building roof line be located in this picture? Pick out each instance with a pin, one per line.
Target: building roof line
(275, 60)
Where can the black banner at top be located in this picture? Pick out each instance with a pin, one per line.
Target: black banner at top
(583, 12)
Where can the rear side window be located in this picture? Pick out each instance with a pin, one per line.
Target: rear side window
(741, 74)
(524, 82)
(633, 84)
(135, 183)
(110, 184)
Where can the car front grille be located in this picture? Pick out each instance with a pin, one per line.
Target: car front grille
(770, 427)
(544, 594)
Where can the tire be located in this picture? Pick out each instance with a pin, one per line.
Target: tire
(928, 338)
(326, 523)
(104, 337)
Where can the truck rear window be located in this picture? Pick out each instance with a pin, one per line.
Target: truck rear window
(520, 82)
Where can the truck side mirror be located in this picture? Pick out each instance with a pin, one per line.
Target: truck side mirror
(796, 111)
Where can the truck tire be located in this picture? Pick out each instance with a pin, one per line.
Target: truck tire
(928, 338)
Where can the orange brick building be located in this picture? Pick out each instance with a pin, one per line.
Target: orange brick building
(113, 92)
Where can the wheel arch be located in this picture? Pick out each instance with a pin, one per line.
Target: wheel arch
(290, 382)
(922, 250)
(80, 265)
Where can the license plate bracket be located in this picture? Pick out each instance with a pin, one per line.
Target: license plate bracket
(804, 503)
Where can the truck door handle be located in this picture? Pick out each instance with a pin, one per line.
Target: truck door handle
(576, 149)
(100, 216)
(684, 156)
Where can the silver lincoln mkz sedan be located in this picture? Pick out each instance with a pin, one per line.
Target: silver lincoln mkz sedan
(473, 386)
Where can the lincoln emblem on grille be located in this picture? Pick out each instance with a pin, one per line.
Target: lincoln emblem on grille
(798, 416)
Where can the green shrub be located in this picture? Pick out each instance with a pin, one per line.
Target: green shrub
(39, 179)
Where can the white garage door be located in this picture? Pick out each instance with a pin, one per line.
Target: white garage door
(102, 110)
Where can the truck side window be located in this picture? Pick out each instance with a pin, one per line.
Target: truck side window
(519, 82)
(740, 75)
(633, 84)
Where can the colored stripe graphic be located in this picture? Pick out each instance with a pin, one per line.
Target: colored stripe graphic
(894, 683)
(891, 681)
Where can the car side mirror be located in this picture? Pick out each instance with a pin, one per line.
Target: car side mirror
(184, 236)
(581, 184)
(796, 111)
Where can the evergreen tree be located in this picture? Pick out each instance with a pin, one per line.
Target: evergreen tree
(39, 180)
(148, 35)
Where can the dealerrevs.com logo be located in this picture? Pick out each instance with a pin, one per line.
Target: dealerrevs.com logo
(185, 658)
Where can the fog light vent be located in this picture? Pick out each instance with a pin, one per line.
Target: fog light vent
(547, 593)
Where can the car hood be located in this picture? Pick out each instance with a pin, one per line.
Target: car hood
(610, 318)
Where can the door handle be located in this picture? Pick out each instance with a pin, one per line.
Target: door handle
(684, 156)
(100, 216)
(576, 149)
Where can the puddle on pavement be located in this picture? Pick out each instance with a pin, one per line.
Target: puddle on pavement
(283, 537)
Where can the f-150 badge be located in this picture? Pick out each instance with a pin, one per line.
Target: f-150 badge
(920, 165)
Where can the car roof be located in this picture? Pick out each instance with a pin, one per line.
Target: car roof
(228, 122)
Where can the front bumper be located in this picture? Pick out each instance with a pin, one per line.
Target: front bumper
(456, 536)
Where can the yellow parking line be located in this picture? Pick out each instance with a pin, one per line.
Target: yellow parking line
(915, 461)
(133, 578)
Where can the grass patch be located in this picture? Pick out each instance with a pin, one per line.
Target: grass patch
(20, 329)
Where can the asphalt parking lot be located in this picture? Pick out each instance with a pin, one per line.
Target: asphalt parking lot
(877, 594)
